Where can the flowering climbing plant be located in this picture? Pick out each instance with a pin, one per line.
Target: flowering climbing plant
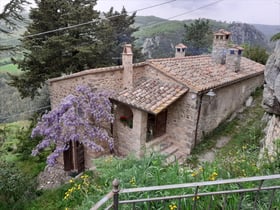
(80, 117)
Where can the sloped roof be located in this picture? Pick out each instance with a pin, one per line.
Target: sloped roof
(201, 73)
(151, 95)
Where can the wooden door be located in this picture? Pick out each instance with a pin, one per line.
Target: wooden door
(80, 158)
(74, 154)
(68, 158)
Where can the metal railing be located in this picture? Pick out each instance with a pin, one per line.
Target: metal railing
(260, 192)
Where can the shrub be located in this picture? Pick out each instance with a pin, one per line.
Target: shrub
(15, 187)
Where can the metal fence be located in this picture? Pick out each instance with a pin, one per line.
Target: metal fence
(260, 192)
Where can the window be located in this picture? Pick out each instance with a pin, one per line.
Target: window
(126, 115)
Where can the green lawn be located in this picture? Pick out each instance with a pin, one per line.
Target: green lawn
(10, 68)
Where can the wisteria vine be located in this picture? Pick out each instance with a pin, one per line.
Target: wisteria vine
(77, 118)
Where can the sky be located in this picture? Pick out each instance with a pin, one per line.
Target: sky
(246, 11)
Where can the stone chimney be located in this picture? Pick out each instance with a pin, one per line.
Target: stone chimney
(180, 50)
(233, 58)
(127, 57)
(220, 44)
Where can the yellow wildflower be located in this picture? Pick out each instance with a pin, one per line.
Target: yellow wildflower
(195, 198)
(172, 206)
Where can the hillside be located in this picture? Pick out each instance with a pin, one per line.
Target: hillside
(13, 107)
(157, 36)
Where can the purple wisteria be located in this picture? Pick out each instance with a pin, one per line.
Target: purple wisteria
(80, 118)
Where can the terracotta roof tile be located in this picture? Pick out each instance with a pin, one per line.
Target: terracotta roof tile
(151, 95)
(200, 73)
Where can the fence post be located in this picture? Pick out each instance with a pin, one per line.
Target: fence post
(116, 194)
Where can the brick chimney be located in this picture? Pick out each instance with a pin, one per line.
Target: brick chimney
(127, 57)
(220, 45)
(180, 50)
(233, 58)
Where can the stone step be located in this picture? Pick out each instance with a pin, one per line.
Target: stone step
(178, 156)
(167, 148)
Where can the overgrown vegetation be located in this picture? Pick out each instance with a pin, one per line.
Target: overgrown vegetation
(18, 169)
(255, 53)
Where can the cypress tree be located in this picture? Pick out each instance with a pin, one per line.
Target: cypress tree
(67, 51)
(198, 37)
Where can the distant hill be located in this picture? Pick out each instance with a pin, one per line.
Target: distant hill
(267, 30)
(158, 36)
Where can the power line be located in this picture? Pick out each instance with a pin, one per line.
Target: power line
(89, 22)
(190, 11)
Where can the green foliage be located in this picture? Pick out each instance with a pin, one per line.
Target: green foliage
(198, 37)
(15, 186)
(26, 144)
(275, 37)
(118, 29)
(10, 68)
(69, 51)
(10, 17)
(255, 53)
(158, 28)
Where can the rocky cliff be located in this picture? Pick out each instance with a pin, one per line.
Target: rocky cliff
(271, 101)
(158, 42)
(245, 33)
(271, 96)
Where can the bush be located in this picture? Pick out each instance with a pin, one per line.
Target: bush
(15, 187)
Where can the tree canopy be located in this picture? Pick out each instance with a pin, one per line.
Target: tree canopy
(91, 43)
(9, 17)
(119, 25)
(275, 37)
(198, 37)
(78, 118)
(255, 53)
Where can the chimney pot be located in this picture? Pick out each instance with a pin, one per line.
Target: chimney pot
(127, 62)
(180, 50)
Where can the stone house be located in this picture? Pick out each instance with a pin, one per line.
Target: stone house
(168, 103)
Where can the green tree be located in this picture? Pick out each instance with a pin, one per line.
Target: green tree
(10, 16)
(275, 37)
(67, 51)
(49, 55)
(255, 53)
(120, 27)
(198, 37)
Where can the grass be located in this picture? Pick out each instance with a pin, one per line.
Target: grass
(10, 68)
(246, 128)
(12, 133)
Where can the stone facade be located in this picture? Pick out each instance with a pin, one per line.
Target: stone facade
(228, 99)
(167, 99)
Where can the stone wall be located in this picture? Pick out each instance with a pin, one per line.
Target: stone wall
(103, 78)
(215, 110)
(181, 122)
(130, 139)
